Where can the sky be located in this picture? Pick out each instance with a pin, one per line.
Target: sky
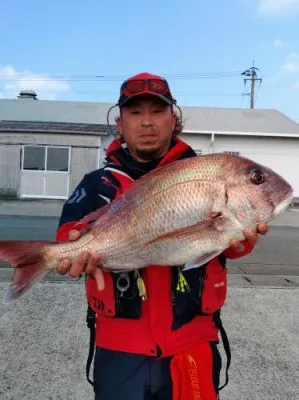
(83, 50)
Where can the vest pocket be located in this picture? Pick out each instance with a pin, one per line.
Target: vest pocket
(214, 288)
(102, 302)
(111, 302)
(127, 303)
(204, 294)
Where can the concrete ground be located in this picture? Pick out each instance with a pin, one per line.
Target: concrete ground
(44, 339)
(44, 344)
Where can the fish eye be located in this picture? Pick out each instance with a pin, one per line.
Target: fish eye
(257, 176)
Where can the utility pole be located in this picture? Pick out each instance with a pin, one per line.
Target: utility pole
(252, 76)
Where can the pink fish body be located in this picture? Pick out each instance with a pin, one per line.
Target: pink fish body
(185, 213)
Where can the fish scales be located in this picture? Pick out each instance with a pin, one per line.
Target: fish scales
(184, 213)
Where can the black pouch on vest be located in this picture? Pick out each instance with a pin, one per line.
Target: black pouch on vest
(196, 299)
(127, 302)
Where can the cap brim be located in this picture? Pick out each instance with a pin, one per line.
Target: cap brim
(146, 92)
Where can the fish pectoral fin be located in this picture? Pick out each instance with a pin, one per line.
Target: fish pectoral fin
(214, 214)
(199, 262)
(94, 215)
(215, 221)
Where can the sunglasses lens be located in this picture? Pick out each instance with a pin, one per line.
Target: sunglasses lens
(135, 86)
(158, 86)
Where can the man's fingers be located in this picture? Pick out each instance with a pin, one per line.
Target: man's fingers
(99, 277)
(251, 236)
(262, 228)
(79, 264)
(92, 265)
(74, 234)
(236, 245)
(63, 267)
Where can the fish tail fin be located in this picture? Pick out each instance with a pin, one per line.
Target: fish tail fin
(27, 257)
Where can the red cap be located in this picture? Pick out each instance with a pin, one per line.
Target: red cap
(145, 83)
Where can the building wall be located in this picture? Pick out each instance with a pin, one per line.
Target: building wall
(84, 156)
(87, 154)
(280, 154)
(82, 162)
(9, 170)
(50, 139)
(198, 142)
(105, 141)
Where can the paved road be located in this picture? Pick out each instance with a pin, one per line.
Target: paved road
(276, 253)
(27, 228)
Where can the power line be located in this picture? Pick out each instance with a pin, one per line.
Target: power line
(105, 93)
(114, 78)
(108, 92)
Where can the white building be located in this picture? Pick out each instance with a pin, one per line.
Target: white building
(265, 136)
(47, 146)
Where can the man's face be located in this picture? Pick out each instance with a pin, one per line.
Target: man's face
(146, 124)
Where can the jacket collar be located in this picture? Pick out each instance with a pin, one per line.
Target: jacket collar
(118, 154)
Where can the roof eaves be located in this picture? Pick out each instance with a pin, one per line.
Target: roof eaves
(60, 132)
(207, 132)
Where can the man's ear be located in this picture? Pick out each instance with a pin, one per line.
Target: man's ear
(119, 125)
(174, 119)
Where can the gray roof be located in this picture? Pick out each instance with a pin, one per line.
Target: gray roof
(237, 120)
(196, 119)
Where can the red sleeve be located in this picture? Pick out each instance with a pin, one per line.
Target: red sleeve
(62, 234)
(232, 254)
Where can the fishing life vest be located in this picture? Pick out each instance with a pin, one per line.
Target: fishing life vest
(156, 311)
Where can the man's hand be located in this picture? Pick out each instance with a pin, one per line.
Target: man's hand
(251, 235)
(83, 263)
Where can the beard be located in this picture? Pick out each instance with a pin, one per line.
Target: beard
(148, 154)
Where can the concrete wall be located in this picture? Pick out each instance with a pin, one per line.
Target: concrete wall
(51, 139)
(105, 141)
(9, 171)
(84, 153)
(280, 154)
(87, 154)
(197, 141)
(82, 162)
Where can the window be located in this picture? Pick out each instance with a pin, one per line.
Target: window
(34, 158)
(44, 158)
(45, 172)
(57, 159)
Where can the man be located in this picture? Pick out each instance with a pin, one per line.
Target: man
(157, 329)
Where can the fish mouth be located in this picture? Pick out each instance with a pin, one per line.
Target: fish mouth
(283, 205)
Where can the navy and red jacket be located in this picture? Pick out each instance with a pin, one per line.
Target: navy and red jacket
(169, 320)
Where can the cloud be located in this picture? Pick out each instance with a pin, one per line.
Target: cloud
(278, 43)
(46, 88)
(291, 65)
(278, 7)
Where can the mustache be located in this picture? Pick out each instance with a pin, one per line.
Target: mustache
(147, 131)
